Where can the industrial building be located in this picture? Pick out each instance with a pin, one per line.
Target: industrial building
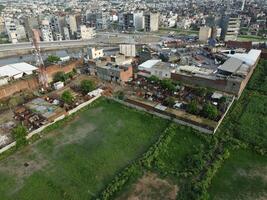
(15, 71)
(155, 68)
(231, 76)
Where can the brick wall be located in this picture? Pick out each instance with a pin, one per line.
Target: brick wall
(53, 69)
(17, 86)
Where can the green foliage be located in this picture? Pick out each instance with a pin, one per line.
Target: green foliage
(60, 76)
(19, 134)
(53, 59)
(163, 57)
(168, 85)
(210, 111)
(169, 101)
(87, 86)
(135, 169)
(192, 107)
(258, 81)
(153, 79)
(201, 91)
(120, 95)
(67, 97)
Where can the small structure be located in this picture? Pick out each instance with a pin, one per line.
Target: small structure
(58, 85)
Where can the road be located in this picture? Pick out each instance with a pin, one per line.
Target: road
(101, 39)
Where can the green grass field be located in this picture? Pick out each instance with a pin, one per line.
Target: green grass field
(243, 176)
(76, 161)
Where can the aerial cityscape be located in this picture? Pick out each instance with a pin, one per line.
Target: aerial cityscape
(133, 100)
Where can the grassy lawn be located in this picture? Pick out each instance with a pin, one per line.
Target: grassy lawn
(178, 31)
(243, 176)
(252, 38)
(77, 161)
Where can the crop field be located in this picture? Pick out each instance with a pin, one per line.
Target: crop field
(76, 161)
(243, 176)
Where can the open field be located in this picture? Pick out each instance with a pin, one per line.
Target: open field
(77, 160)
(167, 168)
(252, 38)
(243, 176)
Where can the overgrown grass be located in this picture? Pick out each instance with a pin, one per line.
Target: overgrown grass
(77, 160)
(243, 176)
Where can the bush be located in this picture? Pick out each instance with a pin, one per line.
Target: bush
(210, 111)
(67, 97)
(87, 86)
(60, 76)
(153, 79)
(169, 101)
(53, 59)
(168, 85)
(192, 107)
(19, 133)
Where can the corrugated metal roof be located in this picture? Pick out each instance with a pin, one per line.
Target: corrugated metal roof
(231, 65)
(16, 69)
(148, 64)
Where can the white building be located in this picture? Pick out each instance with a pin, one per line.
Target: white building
(128, 49)
(94, 53)
(151, 22)
(72, 24)
(86, 33)
(157, 68)
(204, 33)
(46, 32)
(15, 71)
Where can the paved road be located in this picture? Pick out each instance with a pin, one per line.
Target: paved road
(101, 39)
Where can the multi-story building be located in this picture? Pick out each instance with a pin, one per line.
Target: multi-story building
(204, 33)
(46, 32)
(85, 33)
(151, 22)
(72, 25)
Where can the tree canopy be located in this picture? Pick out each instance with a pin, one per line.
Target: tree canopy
(67, 97)
(87, 86)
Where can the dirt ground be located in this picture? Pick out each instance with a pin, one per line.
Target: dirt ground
(151, 187)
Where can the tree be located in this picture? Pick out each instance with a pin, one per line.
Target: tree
(87, 86)
(210, 111)
(19, 134)
(53, 59)
(201, 92)
(67, 97)
(167, 84)
(169, 101)
(153, 79)
(164, 57)
(60, 76)
(192, 107)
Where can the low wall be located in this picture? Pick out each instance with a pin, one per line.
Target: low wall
(153, 112)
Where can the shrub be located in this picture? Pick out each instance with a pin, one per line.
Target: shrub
(67, 97)
(19, 133)
(192, 107)
(169, 101)
(87, 86)
(53, 59)
(210, 111)
(60, 76)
